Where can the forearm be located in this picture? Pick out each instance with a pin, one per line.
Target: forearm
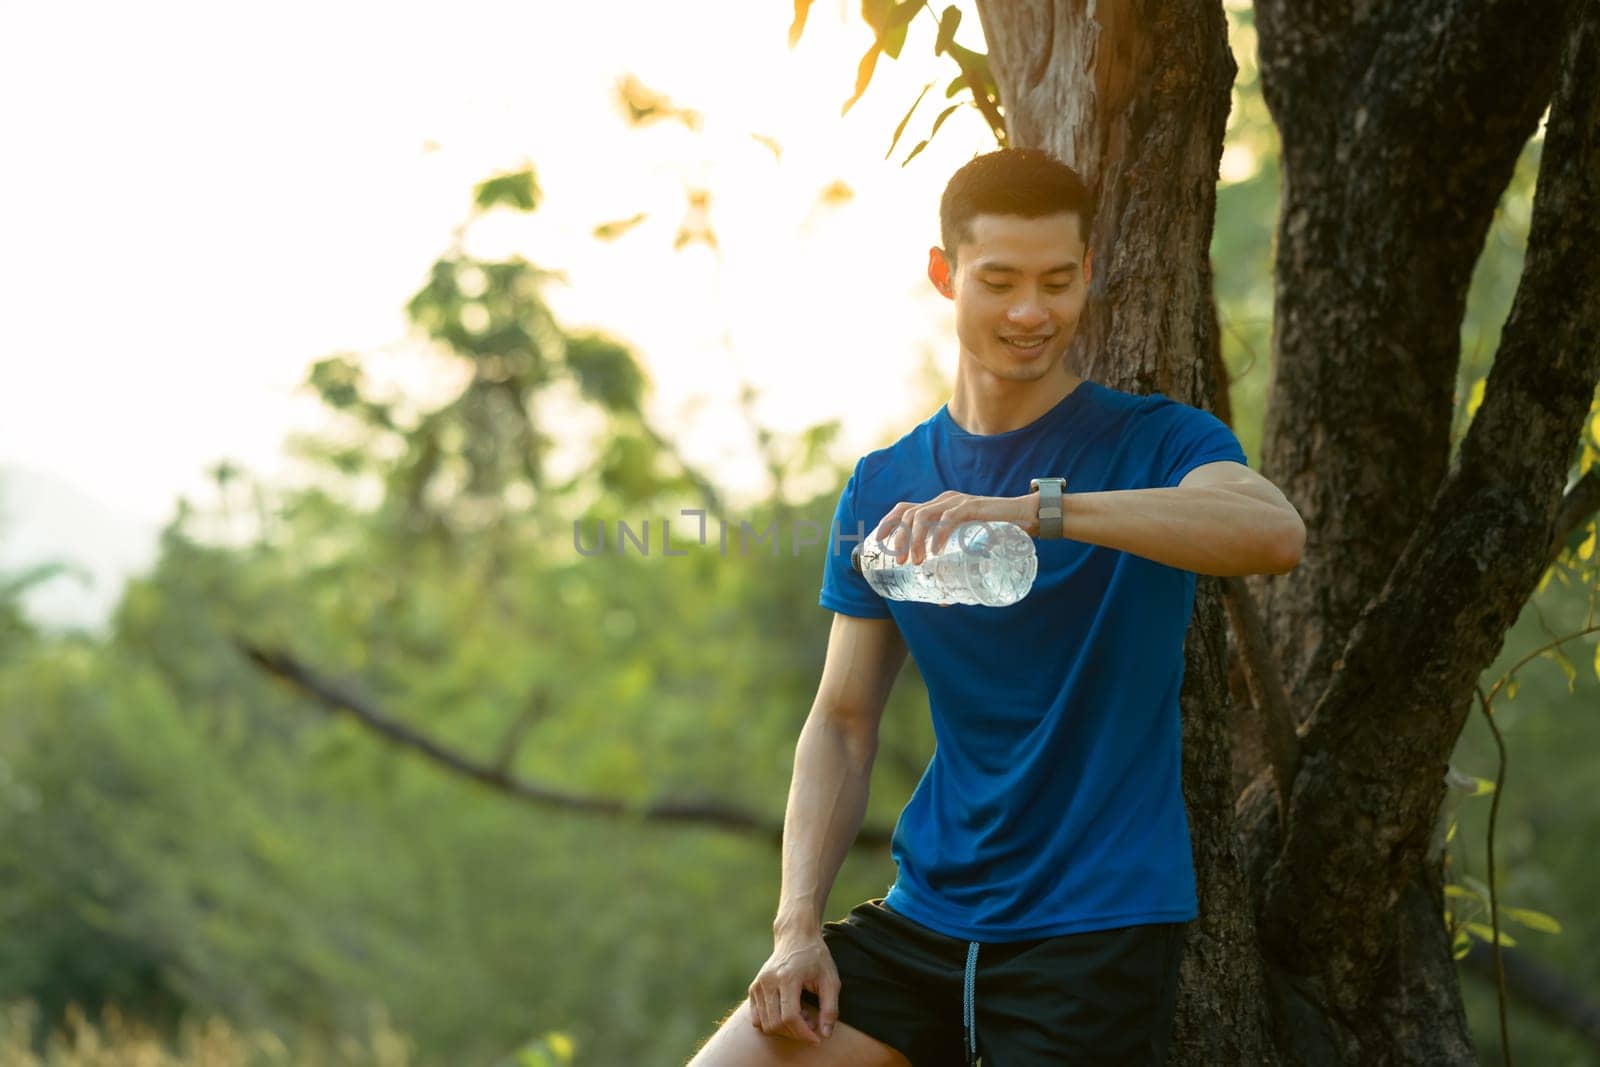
(827, 803)
(1208, 529)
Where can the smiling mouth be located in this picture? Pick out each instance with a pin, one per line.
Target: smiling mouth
(1025, 344)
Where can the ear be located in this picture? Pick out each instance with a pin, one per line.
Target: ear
(1088, 266)
(939, 271)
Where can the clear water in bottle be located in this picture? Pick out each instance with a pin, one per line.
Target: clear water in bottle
(988, 563)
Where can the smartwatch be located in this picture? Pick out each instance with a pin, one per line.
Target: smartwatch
(1049, 490)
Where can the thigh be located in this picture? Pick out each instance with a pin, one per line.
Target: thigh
(1103, 997)
(899, 982)
(738, 1043)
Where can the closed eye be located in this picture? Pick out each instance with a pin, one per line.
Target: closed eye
(1000, 287)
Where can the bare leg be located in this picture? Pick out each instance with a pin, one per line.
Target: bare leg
(737, 1043)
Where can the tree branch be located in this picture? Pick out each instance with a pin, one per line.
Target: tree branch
(1382, 109)
(334, 697)
(537, 707)
(1267, 693)
(1581, 501)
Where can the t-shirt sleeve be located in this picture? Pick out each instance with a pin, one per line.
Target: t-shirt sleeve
(1193, 439)
(843, 590)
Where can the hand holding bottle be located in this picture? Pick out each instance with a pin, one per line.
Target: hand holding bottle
(989, 563)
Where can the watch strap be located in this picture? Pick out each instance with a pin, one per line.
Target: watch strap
(1050, 491)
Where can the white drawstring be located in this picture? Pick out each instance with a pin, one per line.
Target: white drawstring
(969, 1010)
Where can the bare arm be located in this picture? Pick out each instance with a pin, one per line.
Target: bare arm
(1222, 519)
(827, 801)
(833, 765)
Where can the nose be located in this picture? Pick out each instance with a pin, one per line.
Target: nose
(1027, 314)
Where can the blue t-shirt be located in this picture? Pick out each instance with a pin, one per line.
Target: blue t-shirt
(1053, 802)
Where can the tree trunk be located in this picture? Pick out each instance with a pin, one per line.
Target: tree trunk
(1321, 938)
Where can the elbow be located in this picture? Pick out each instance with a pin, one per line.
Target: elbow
(1288, 547)
(856, 731)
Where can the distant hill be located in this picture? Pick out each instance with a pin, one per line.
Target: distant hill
(45, 518)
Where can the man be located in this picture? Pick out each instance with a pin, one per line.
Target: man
(1045, 876)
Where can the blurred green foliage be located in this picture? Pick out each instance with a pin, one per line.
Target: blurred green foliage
(181, 836)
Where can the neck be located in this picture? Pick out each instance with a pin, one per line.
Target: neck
(985, 404)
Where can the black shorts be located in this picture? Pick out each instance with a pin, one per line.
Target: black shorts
(1102, 997)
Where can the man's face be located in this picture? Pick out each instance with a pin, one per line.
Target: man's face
(1019, 286)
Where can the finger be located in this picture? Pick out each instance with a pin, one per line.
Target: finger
(897, 534)
(828, 999)
(900, 541)
(899, 537)
(905, 547)
(946, 525)
(891, 520)
(921, 527)
(794, 1023)
(758, 1011)
(905, 536)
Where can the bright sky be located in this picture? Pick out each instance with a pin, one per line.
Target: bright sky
(201, 199)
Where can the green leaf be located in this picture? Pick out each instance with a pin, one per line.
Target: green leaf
(798, 26)
(1533, 920)
(1485, 932)
(863, 76)
(976, 66)
(947, 31)
(518, 190)
(1567, 668)
(606, 372)
(1475, 397)
(977, 62)
(1476, 886)
(889, 21)
(875, 13)
(895, 38)
(900, 129)
(925, 142)
(338, 380)
(958, 83)
(1460, 891)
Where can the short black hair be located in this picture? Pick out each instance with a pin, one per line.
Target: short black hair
(1027, 182)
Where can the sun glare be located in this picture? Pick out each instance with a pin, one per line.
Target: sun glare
(246, 223)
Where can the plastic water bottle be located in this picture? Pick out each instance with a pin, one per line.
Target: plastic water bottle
(989, 563)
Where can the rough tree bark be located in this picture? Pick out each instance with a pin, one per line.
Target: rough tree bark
(1321, 938)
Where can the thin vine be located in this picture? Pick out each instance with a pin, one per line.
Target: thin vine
(1486, 702)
